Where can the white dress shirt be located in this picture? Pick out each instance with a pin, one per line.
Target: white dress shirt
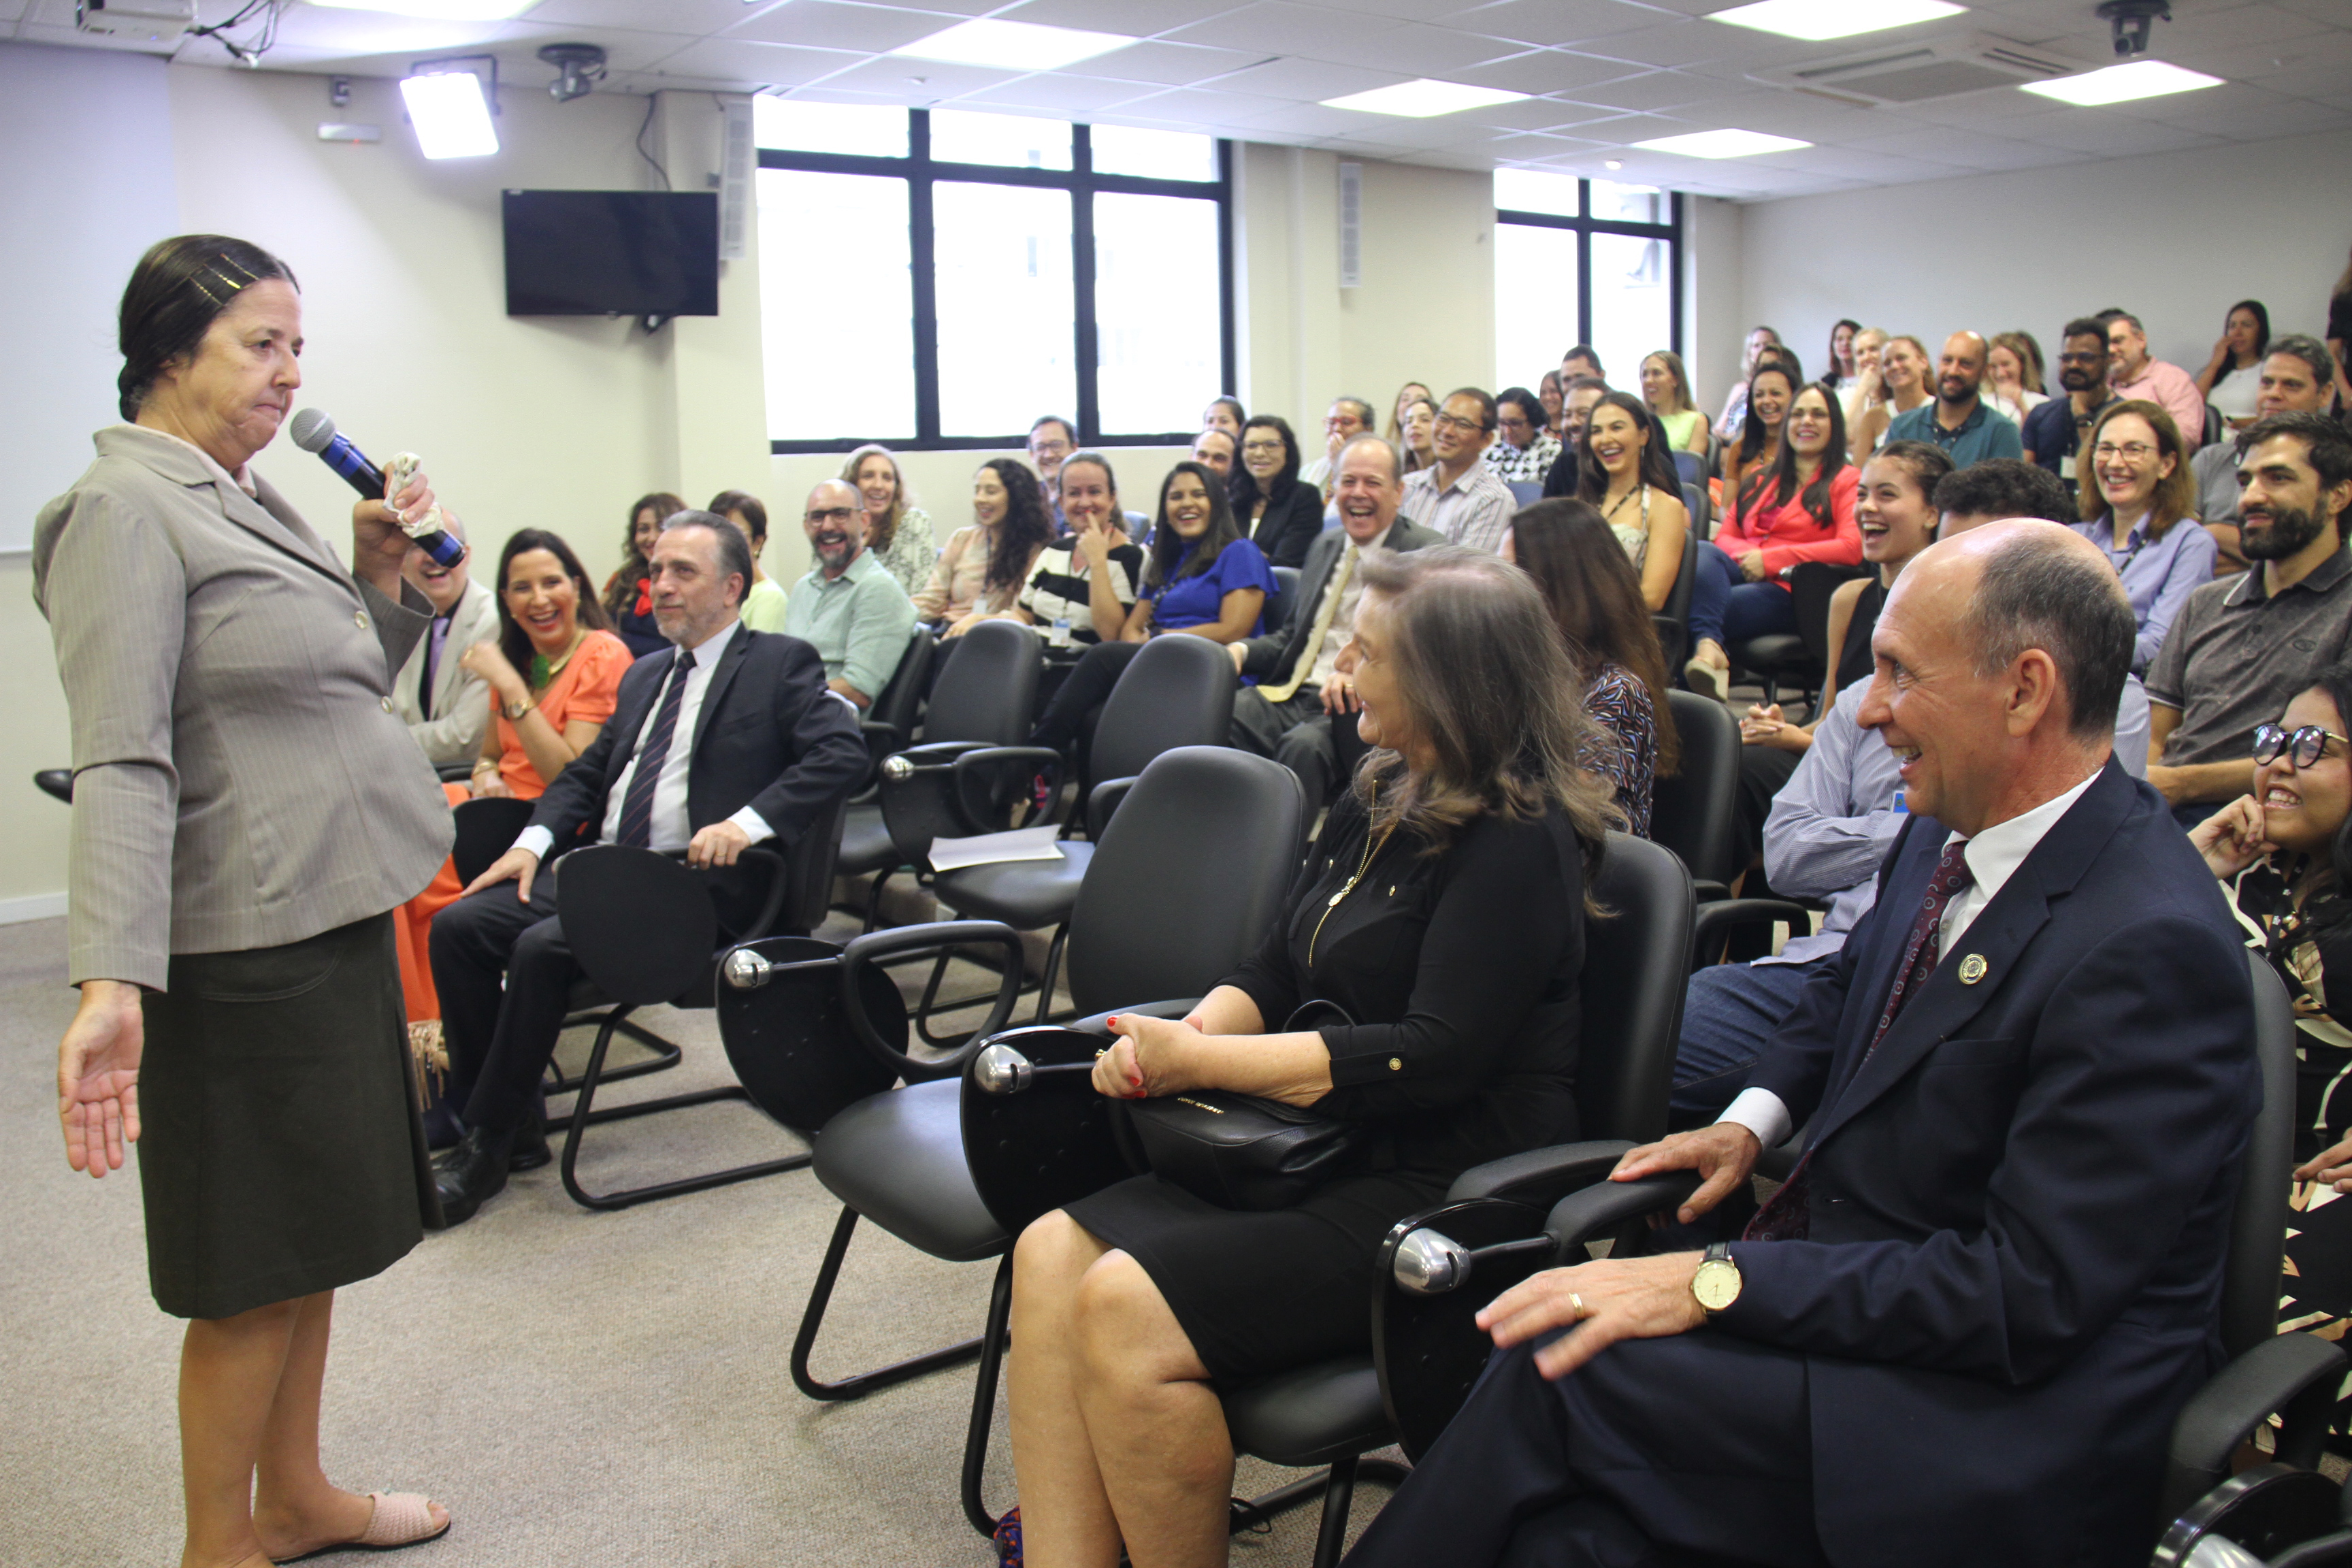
(1993, 857)
(669, 830)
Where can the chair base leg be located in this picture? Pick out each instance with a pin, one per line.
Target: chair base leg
(1054, 951)
(812, 1317)
(983, 1399)
(1337, 1489)
(665, 1054)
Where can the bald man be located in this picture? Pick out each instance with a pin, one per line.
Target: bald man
(1959, 420)
(848, 607)
(1961, 1330)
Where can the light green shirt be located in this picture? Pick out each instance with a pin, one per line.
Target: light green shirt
(858, 623)
(763, 606)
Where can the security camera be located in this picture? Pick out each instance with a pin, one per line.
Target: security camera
(582, 67)
(2132, 19)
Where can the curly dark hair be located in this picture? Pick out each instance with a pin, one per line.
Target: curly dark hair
(1026, 528)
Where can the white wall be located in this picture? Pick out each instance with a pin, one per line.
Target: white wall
(2174, 238)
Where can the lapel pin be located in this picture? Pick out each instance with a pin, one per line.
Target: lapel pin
(1972, 969)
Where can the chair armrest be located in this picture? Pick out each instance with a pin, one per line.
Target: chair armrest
(1541, 1176)
(1176, 1008)
(453, 773)
(1606, 1206)
(1101, 800)
(867, 952)
(1719, 918)
(1710, 892)
(2293, 1375)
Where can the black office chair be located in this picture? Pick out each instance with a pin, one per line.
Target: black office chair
(1276, 613)
(1700, 509)
(2217, 430)
(1214, 834)
(1801, 656)
(1690, 813)
(888, 727)
(1673, 622)
(1691, 466)
(1523, 492)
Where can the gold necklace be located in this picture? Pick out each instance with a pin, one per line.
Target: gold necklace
(1372, 846)
(579, 636)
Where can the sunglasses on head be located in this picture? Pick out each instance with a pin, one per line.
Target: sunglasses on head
(2305, 745)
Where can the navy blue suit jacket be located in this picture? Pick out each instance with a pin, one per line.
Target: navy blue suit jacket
(2019, 1200)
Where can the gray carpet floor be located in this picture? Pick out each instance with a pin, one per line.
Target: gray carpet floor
(576, 1387)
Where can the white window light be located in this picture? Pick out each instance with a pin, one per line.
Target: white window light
(438, 10)
(2121, 84)
(1423, 99)
(1814, 20)
(1012, 45)
(451, 116)
(1722, 144)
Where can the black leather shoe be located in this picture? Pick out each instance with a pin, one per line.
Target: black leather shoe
(530, 1150)
(471, 1174)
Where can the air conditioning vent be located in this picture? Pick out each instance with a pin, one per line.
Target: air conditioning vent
(1914, 75)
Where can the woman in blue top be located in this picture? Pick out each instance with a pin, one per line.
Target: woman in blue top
(2139, 501)
(1202, 579)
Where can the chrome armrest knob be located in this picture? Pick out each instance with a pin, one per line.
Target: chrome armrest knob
(746, 970)
(1001, 1069)
(1430, 1264)
(897, 768)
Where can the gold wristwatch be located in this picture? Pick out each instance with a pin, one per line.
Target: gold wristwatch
(1716, 1286)
(515, 710)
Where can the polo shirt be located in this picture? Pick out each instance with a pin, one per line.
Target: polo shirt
(2053, 431)
(1983, 433)
(2237, 655)
(858, 623)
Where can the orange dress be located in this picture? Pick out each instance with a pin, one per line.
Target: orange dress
(584, 691)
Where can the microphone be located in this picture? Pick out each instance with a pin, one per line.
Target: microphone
(315, 432)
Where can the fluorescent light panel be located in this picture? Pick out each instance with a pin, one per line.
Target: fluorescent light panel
(1814, 20)
(452, 118)
(1012, 45)
(2121, 84)
(438, 10)
(1722, 144)
(1425, 99)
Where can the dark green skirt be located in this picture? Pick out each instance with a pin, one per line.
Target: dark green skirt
(280, 1152)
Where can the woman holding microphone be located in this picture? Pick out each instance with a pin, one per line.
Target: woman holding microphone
(248, 811)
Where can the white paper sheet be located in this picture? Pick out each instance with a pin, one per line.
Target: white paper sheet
(996, 848)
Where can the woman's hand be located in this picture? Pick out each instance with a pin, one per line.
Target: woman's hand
(379, 543)
(97, 1076)
(487, 660)
(2332, 1166)
(489, 785)
(965, 624)
(2232, 838)
(1766, 727)
(1751, 566)
(1151, 1057)
(1096, 544)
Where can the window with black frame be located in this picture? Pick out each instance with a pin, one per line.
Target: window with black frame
(938, 279)
(1583, 261)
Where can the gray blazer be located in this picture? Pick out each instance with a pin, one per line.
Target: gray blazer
(241, 778)
(461, 700)
(1269, 657)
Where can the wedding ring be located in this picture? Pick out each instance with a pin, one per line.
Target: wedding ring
(1575, 1305)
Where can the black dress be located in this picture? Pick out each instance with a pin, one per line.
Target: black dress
(1462, 969)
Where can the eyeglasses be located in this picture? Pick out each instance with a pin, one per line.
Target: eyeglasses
(2130, 451)
(2305, 745)
(1467, 427)
(2098, 356)
(1263, 448)
(835, 514)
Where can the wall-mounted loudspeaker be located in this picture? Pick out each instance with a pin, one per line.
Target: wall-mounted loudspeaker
(737, 161)
(1352, 225)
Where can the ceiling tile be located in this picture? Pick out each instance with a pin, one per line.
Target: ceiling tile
(1540, 70)
(1064, 95)
(2262, 121)
(1557, 21)
(1305, 82)
(1413, 48)
(695, 17)
(1304, 119)
(1354, 147)
(519, 42)
(1534, 114)
(1681, 44)
(2258, 24)
(828, 25)
(1648, 91)
(741, 61)
(2105, 135)
(2307, 81)
(378, 33)
(1136, 18)
(1200, 106)
(1169, 64)
(1276, 27)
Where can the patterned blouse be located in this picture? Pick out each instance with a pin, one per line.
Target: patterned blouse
(913, 550)
(1625, 742)
(1524, 465)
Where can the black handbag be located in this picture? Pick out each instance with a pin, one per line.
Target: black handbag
(1244, 1151)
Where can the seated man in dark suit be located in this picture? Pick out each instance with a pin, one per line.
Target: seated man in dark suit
(731, 741)
(1960, 1332)
(1289, 715)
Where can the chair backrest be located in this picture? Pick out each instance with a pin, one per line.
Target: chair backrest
(1811, 584)
(1678, 603)
(808, 873)
(1278, 603)
(989, 688)
(1690, 465)
(903, 696)
(1187, 878)
(1176, 691)
(1700, 510)
(1525, 492)
(1690, 813)
(2250, 1279)
(2215, 432)
(486, 830)
(640, 924)
(1636, 966)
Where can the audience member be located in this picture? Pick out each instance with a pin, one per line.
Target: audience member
(980, 571)
(1301, 694)
(2297, 375)
(1225, 414)
(1458, 494)
(1842, 375)
(1735, 406)
(778, 751)
(1902, 386)
(2233, 377)
(2131, 372)
(1580, 360)
(1624, 473)
(2338, 337)
(1051, 439)
(1085, 582)
(2012, 378)
(1584, 394)
(1665, 387)
(2053, 432)
(2241, 648)
(1997, 489)
(1579, 567)
(1957, 420)
(1347, 418)
(1552, 390)
(1217, 452)
(1271, 507)
(897, 531)
(2052, 1214)
(1801, 509)
(1412, 391)
(848, 607)
(1759, 446)
(1419, 442)
(2134, 511)
(1869, 373)
(763, 602)
(1525, 451)
(444, 703)
(625, 603)
(1442, 916)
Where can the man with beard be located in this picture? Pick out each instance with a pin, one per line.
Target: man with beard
(2054, 428)
(1958, 420)
(2297, 377)
(849, 608)
(2244, 646)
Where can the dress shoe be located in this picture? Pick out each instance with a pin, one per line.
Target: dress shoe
(472, 1173)
(531, 1149)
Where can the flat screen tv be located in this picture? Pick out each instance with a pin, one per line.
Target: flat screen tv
(653, 253)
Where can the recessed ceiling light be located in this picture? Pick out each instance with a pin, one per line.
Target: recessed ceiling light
(1612, 163)
(2121, 84)
(438, 10)
(1814, 20)
(451, 119)
(1722, 144)
(1423, 99)
(1012, 45)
